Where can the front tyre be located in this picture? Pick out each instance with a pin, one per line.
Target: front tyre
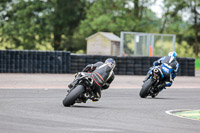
(144, 92)
(73, 95)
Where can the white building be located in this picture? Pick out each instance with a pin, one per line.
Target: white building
(103, 43)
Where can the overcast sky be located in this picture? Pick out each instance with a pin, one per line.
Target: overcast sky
(157, 8)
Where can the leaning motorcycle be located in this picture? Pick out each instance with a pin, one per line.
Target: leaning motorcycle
(157, 76)
(81, 90)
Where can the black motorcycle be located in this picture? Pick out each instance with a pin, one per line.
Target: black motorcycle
(157, 77)
(80, 90)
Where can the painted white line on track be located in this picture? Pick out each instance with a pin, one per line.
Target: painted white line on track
(169, 112)
(97, 130)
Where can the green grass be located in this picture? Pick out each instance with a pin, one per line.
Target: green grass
(197, 63)
(193, 114)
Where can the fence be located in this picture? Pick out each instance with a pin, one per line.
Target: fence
(146, 44)
(13, 61)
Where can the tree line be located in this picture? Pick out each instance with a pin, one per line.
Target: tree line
(64, 24)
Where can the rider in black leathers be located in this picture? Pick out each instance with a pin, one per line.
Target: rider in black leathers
(102, 74)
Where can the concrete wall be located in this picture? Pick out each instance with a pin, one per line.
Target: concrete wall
(115, 49)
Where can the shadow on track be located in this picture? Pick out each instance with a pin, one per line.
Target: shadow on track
(161, 98)
(80, 106)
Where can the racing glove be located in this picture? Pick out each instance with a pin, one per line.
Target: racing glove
(89, 68)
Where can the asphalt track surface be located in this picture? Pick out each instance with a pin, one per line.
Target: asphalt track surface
(33, 104)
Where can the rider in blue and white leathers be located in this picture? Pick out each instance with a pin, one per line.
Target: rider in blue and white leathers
(168, 64)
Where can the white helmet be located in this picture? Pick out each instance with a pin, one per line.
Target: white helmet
(173, 53)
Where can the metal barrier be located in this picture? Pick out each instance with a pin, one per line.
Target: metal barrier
(146, 44)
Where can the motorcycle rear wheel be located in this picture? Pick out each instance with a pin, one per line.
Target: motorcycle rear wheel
(144, 92)
(73, 95)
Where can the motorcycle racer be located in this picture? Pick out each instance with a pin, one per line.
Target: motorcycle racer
(170, 65)
(102, 74)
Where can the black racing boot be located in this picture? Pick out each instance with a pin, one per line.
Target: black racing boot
(96, 97)
(161, 86)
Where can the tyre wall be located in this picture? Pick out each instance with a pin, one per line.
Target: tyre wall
(14, 61)
(130, 65)
(30, 61)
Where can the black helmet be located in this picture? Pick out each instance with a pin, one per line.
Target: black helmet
(110, 62)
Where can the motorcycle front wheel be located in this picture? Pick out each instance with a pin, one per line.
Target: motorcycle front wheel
(73, 95)
(144, 92)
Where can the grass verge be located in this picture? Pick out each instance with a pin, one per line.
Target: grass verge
(197, 64)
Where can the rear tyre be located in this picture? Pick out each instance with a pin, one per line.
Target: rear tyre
(73, 95)
(144, 92)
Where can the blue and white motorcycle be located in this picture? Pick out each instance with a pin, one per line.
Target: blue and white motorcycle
(157, 75)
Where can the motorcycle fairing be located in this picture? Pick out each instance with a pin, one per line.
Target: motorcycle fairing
(166, 68)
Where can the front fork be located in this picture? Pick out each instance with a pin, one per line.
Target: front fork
(154, 88)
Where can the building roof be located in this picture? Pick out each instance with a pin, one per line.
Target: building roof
(108, 35)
